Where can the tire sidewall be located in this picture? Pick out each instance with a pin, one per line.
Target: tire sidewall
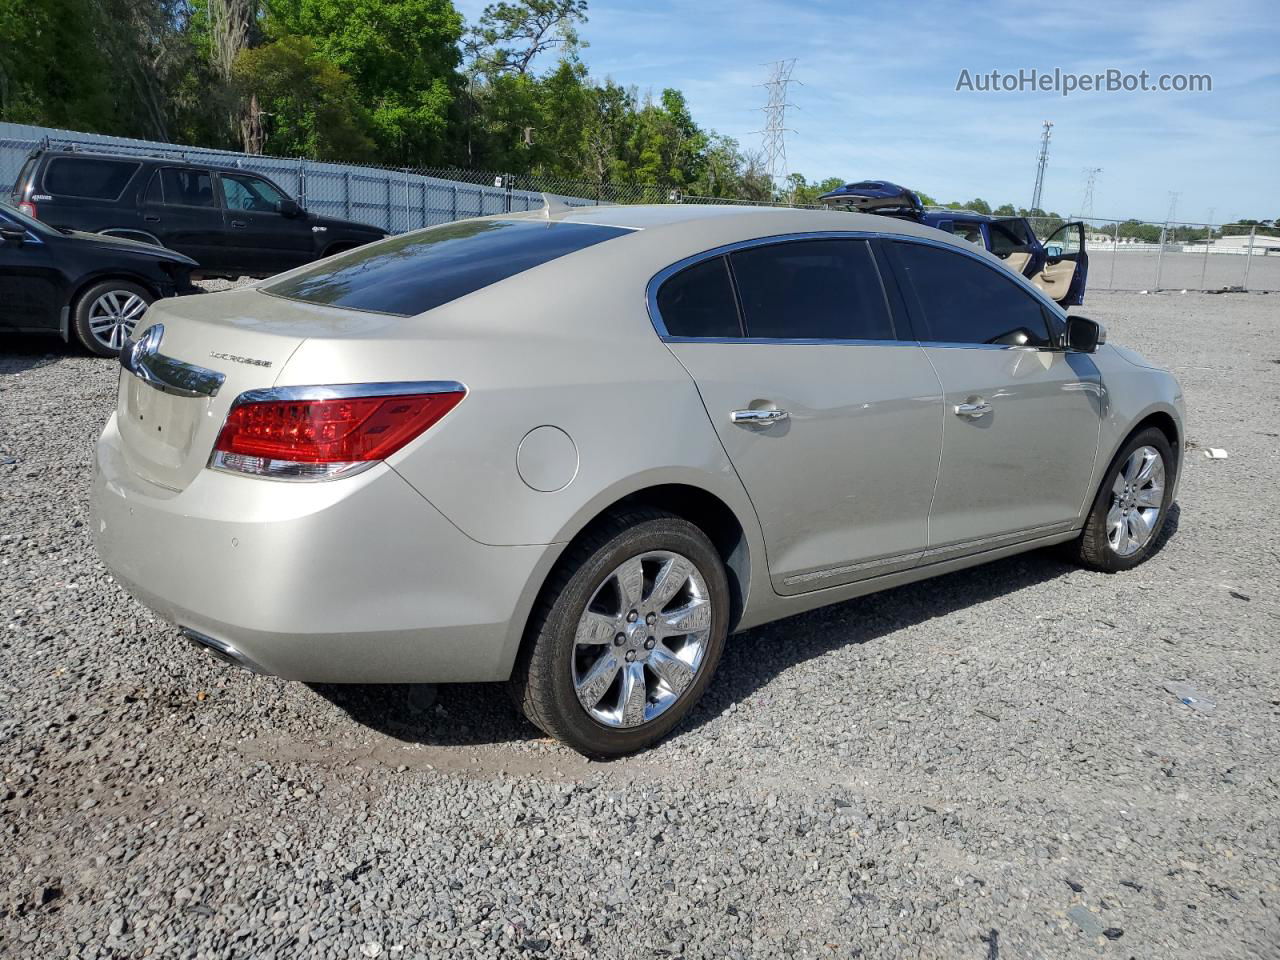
(584, 732)
(1108, 558)
(86, 300)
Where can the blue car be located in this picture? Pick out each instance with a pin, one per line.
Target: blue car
(1059, 265)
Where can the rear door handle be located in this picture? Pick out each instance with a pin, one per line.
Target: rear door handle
(758, 418)
(973, 409)
(238, 223)
(151, 219)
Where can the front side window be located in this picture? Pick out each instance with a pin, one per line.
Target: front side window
(698, 302)
(812, 289)
(966, 301)
(187, 188)
(250, 193)
(92, 178)
(415, 272)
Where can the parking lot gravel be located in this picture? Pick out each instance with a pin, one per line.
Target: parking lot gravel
(986, 765)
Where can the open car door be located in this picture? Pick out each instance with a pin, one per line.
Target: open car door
(1066, 267)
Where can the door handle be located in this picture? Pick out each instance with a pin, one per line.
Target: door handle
(973, 410)
(238, 223)
(758, 418)
(151, 219)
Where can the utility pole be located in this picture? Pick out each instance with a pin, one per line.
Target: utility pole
(775, 119)
(1040, 167)
(1086, 205)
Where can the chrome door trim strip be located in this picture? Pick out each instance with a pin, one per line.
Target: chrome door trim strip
(143, 359)
(847, 568)
(983, 543)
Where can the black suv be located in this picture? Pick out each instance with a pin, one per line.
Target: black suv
(231, 222)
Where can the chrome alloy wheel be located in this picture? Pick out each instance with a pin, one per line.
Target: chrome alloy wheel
(642, 639)
(1137, 497)
(113, 316)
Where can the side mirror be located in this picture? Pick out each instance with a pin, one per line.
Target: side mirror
(1085, 335)
(288, 208)
(13, 236)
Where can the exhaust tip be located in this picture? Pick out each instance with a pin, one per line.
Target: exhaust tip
(219, 649)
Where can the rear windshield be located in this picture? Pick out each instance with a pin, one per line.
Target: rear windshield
(89, 177)
(411, 274)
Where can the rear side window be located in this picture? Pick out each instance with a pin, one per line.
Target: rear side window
(1005, 240)
(187, 188)
(93, 178)
(812, 289)
(416, 272)
(698, 302)
(24, 175)
(965, 301)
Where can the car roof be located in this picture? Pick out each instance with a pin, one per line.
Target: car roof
(54, 152)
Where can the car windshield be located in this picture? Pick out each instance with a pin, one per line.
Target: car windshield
(16, 216)
(417, 272)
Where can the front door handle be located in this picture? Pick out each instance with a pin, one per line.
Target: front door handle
(238, 223)
(758, 418)
(973, 409)
(151, 219)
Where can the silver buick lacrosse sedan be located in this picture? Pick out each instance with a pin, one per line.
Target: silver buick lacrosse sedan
(574, 450)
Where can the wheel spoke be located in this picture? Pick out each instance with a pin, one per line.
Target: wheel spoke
(1149, 465)
(670, 579)
(101, 324)
(597, 681)
(693, 617)
(117, 336)
(595, 628)
(135, 307)
(634, 695)
(631, 583)
(1152, 496)
(1139, 527)
(1134, 465)
(675, 672)
(1115, 522)
(1117, 488)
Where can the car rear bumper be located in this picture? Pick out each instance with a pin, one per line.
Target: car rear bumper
(358, 580)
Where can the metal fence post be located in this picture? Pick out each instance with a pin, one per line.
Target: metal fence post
(1204, 264)
(454, 214)
(1115, 252)
(387, 184)
(1160, 258)
(1248, 258)
(302, 182)
(346, 192)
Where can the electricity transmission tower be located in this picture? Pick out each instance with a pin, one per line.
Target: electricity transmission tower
(775, 119)
(1086, 205)
(1040, 167)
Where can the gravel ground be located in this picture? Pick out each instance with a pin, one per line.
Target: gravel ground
(982, 765)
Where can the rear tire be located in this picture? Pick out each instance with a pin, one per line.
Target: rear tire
(611, 663)
(1132, 505)
(106, 314)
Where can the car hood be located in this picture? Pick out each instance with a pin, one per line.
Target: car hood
(1133, 357)
(124, 245)
(348, 226)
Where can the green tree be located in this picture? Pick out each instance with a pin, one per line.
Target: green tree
(402, 56)
(510, 36)
(310, 107)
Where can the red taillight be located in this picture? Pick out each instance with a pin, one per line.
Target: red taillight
(314, 439)
(29, 208)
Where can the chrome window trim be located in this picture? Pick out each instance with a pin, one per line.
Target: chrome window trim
(657, 280)
(142, 358)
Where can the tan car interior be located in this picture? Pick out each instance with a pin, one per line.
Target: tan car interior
(1055, 278)
(1017, 261)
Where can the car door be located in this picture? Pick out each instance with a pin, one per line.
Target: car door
(829, 414)
(1066, 266)
(1022, 416)
(181, 208)
(30, 282)
(262, 238)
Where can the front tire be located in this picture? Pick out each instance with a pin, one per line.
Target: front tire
(1132, 505)
(106, 314)
(627, 634)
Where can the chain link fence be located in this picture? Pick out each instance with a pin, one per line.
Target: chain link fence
(1123, 254)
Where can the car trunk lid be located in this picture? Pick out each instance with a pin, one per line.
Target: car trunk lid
(191, 360)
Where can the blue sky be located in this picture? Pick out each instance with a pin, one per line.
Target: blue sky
(878, 96)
